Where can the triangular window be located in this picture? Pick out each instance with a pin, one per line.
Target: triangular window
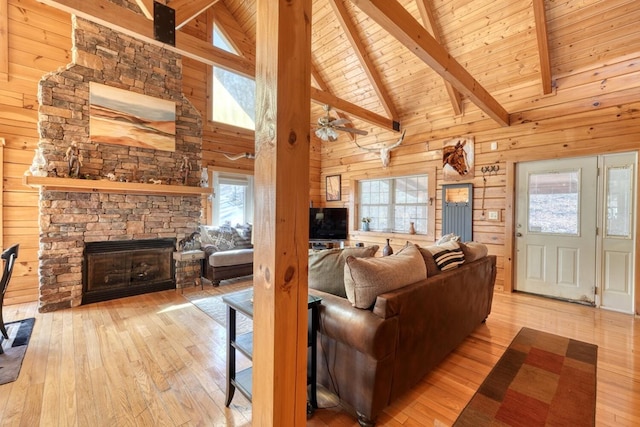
(220, 41)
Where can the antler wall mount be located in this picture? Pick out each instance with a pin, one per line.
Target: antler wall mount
(385, 151)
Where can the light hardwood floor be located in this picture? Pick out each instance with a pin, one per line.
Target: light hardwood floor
(157, 360)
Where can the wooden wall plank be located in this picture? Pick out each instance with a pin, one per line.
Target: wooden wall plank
(39, 42)
(4, 41)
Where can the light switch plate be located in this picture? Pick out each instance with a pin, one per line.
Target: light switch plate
(493, 215)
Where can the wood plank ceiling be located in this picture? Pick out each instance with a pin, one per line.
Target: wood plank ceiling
(434, 60)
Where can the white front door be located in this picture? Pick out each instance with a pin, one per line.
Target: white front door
(575, 229)
(556, 228)
(618, 231)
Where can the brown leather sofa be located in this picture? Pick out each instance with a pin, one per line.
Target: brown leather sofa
(368, 358)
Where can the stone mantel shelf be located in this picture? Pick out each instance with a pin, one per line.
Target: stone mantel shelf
(106, 186)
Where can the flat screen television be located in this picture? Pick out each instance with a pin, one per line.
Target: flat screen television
(328, 224)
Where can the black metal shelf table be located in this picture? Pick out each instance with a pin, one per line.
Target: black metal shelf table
(242, 302)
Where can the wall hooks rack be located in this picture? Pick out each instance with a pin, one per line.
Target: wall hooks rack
(490, 169)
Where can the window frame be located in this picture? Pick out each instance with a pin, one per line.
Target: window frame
(354, 203)
(250, 197)
(211, 24)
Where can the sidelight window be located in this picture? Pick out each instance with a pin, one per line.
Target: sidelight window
(619, 201)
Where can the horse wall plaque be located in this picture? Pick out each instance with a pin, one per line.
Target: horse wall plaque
(458, 159)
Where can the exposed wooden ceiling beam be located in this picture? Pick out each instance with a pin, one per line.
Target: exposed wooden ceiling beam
(135, 25)
(543, 46)
(367, 64)
(186, 10)
(128, 22)
(395, 19)
(323, 97)
(146, 6)
(429, 21)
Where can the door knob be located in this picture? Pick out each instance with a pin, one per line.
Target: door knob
(518, 234)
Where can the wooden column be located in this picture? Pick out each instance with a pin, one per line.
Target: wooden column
(283, 34)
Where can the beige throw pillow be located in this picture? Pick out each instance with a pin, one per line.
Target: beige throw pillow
(473, 251)
(366, 278)
(326, 267)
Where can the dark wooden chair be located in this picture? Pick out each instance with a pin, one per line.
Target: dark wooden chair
(9, 257)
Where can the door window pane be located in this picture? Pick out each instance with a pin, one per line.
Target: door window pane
(554, 202)
(619, 199)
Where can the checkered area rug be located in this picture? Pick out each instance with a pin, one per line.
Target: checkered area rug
(541, 379)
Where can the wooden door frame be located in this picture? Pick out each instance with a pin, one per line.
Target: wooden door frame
(509, 241)
(510, 200)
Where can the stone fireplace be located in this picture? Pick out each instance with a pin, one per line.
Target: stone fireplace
(72, 220)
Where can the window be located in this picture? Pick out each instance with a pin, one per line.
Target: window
(619, 202)
(219, 40)
(394, 203)
(560, 190)
(233, 96)
(232, 198)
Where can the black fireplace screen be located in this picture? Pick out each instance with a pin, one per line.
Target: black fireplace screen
(115, 269)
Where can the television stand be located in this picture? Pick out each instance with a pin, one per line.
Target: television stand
(327, 244)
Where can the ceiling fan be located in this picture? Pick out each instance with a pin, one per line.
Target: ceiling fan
(327, 126)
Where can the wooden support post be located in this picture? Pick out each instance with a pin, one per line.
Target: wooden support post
(283, 56)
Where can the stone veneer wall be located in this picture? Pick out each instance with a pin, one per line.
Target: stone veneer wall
(68, 219)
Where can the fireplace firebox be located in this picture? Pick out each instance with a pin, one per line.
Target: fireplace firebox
(116, 269)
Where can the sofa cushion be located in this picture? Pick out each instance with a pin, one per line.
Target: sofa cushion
(427, 256)
(451, 237)
(243, 236)
(225, 237)
(447, 255)
(473, 251)
(366, 278)
(326, 267)
(231, 257)
(221, 238)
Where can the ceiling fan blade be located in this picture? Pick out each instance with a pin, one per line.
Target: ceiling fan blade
(352, 130)
(339, 122)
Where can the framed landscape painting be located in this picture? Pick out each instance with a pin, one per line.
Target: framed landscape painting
(122, 117)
